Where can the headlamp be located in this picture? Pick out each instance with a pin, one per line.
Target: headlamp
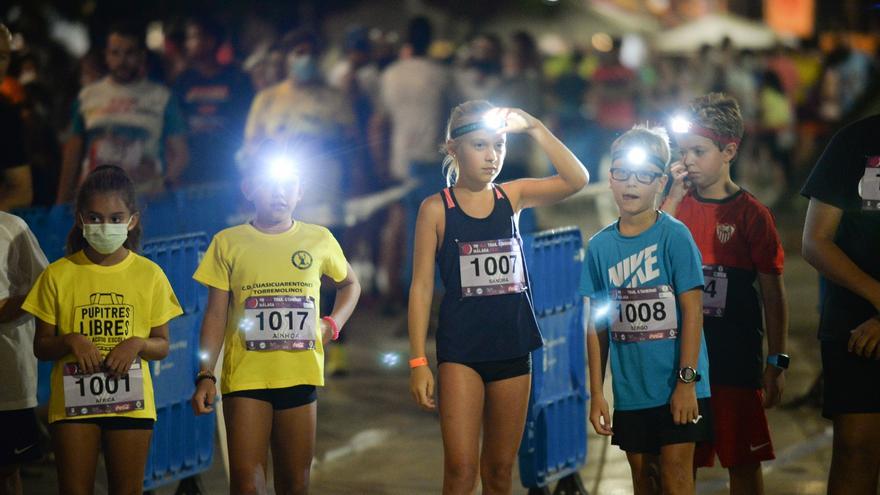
(491, 121)
(638, 157)
(281, 168)
(681, 125)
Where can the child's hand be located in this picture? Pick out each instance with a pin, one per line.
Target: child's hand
(421, 385)
(683, 404)
(864, 341)
(774, 384)
(514, 119)
(88, 357)
(326, 332)
(203, 398)
(680, 182)
(119, 360)
(600, 416)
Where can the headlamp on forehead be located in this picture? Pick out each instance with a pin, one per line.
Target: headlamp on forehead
(281, 168)
(681, 125)
(638, 157)
(490, 121)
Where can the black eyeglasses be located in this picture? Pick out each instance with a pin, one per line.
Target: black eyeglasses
(643, 176)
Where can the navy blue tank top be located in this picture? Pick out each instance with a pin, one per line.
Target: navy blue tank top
(486, 313)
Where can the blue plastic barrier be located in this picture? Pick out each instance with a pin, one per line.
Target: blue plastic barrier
(50, 226)
(209, 208)
(554, 443)
(182, 443)
(178, 256)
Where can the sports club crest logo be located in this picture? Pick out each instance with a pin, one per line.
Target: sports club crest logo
(724, 231)
(301, 259)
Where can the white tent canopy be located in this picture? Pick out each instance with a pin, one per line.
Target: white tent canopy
(711, 29)
(575, 23)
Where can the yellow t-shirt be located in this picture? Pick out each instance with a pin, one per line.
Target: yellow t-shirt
(275, 283)
(108, 304)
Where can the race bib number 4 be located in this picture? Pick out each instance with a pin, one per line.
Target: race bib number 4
(643, 313)
(491, 268)
(99, 393)
(273, 323)
(869, 186)
(714, 290)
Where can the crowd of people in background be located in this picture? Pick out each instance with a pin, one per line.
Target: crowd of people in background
(369, 112)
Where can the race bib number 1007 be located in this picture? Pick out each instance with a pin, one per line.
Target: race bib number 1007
(643, 313)
(99, 393)
(273, 323)
(491, 268)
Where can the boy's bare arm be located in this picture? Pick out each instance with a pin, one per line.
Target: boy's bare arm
(776, 324)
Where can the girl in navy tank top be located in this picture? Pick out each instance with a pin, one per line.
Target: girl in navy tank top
(487, 323)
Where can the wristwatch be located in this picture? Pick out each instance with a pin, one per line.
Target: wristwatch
(688, 375)
(780, 360)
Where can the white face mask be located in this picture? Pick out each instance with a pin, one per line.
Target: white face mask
(106, 238)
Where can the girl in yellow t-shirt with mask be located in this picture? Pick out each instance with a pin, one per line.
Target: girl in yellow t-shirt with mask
(264, 280)
(102, 312)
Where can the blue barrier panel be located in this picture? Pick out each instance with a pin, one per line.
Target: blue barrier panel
(182, 444)
(178, 256)
(554, 443)
(50, 226)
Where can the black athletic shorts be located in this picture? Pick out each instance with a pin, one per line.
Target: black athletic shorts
(114, 423)
(644, 431)
(852, 383)
(19, 437)
(280, 398)
(493, 371)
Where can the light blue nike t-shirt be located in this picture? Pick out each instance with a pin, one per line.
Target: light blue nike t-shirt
(638, 280)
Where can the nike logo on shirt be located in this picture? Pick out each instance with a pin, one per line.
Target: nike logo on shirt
(635, 270)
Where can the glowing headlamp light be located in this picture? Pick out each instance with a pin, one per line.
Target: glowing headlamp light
(638, 157)
(281, 168)
(681, 125)
(491, 121)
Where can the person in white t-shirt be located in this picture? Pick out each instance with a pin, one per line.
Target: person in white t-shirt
(21, 262)
(415, 97)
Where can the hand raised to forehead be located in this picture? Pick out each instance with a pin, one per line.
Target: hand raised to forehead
(513, 120)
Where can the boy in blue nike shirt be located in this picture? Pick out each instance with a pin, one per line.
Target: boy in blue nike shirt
(643, 277)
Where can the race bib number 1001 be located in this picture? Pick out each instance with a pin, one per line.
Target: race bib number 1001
(99, 393)
(643, 313)
(491, 268)
(273, 323)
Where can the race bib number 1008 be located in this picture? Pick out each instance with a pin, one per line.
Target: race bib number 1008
(643, 313)
(273, 323)
(491, 268)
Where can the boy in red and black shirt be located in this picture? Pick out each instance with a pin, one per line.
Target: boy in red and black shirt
(737, 237)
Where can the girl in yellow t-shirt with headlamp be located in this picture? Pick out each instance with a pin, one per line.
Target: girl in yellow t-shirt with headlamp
(102, 312)
(264, 280)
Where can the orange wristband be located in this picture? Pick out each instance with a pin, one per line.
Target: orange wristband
(419, 361)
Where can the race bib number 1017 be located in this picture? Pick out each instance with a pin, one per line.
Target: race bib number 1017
(273, 323)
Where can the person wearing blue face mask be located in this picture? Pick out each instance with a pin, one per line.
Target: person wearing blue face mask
(315, 122)
(304, 112)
